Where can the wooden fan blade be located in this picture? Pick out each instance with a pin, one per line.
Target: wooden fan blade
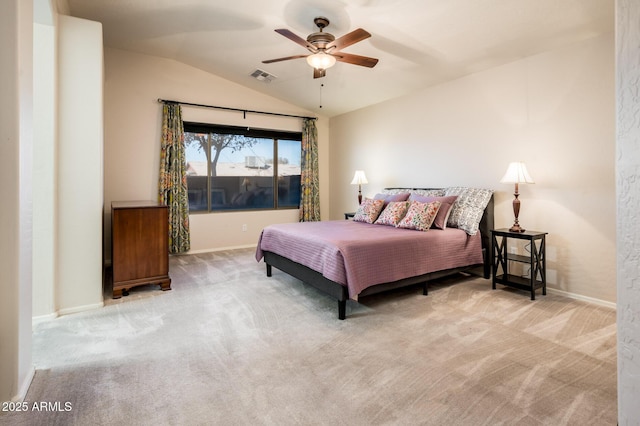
(319, 73)
(363, 61)
(348, 39)
(286, 58)
(297, 39)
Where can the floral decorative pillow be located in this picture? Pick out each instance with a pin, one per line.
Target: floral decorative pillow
(368, 211)
(440, 221)
(420, 216)
(468, 209)
(393, 213)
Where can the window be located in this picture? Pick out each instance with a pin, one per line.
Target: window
(236, 168)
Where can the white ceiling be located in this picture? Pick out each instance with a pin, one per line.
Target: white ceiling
(419, 42)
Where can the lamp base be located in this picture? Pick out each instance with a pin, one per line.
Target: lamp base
(516, 228)
(516, 212)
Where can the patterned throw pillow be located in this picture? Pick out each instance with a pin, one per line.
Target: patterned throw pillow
(440, 221)
(395, 191)
(420, 216)
(393, 213)
(468, 209)
(428, 192)
(420, 191)
(368, 211)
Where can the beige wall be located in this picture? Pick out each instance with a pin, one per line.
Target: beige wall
(133, 83)
(79, 165)
(44, 169)
(554, 111)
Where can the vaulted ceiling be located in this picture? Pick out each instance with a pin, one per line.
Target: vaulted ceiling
(419, 42)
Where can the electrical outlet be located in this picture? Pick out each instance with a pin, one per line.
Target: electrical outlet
(244, 227)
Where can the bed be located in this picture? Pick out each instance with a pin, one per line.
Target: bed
(349, 259)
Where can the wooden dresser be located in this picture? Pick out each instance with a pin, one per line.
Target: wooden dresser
(139, 245)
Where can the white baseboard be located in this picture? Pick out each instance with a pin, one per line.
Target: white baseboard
(583, 298)
(43, 318)
(82, 308)
(220, 249)
(24, 387)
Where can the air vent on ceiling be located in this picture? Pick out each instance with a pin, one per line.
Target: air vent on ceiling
(263, 76)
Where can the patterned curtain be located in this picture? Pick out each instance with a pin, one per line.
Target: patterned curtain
(309, 180)
(173, 178)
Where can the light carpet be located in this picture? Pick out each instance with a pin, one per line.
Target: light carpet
(230, 346)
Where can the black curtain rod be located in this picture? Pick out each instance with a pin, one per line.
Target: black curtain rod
(244, 111)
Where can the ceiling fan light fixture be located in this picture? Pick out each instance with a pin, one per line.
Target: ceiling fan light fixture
(326, 49)
(321, 61)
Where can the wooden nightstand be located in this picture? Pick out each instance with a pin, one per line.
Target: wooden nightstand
(349, 215)
(537, 261)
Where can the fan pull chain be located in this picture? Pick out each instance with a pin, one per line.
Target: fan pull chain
(321, 86)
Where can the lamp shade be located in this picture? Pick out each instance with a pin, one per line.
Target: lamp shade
(321, 61)
(517, 173)
(359, 178)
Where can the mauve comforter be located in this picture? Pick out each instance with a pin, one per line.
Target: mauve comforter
(360, 255)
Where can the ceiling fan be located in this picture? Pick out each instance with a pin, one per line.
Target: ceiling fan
(326, 49)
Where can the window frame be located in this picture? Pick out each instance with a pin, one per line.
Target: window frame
(275, 135)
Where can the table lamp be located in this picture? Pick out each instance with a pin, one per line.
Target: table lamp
(359, 179)
(516, 173)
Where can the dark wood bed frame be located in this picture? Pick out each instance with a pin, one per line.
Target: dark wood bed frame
(340, 291)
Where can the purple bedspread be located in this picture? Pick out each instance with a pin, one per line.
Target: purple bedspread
(360, 255)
